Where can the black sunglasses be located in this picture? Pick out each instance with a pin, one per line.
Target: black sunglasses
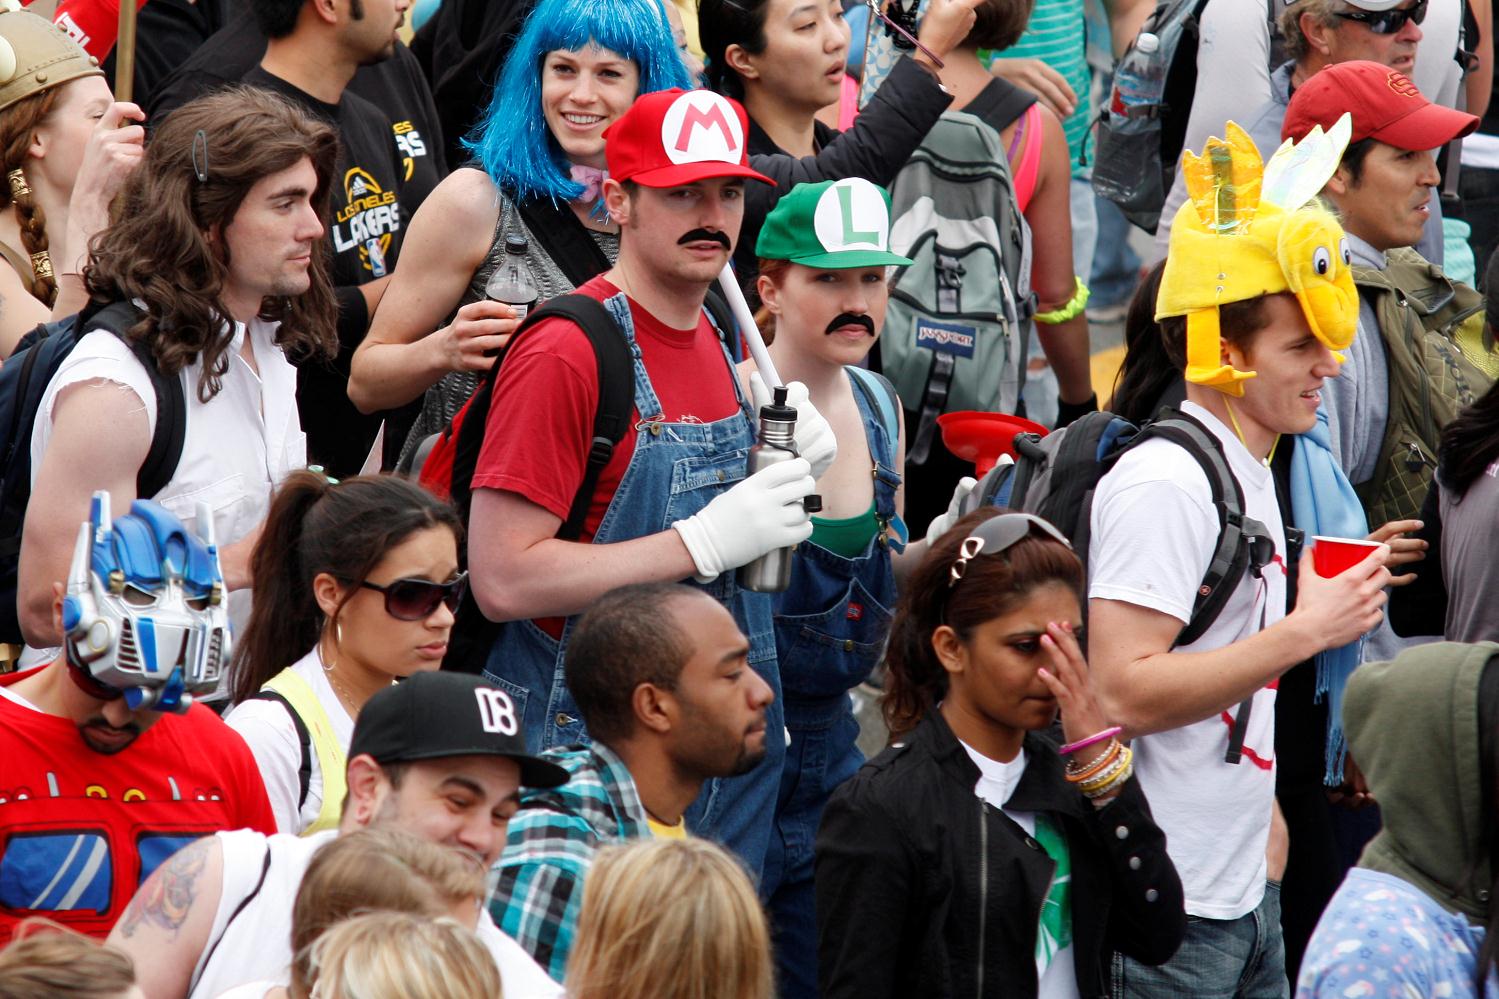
(997, 534)
(1386, 22)
(416, 599)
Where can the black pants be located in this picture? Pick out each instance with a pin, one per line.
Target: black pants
(1480, 194)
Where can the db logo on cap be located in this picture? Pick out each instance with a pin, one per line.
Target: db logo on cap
(701, 127)
(496, 711)
(851, 215)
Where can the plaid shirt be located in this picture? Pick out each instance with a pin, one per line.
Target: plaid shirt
(550, 846)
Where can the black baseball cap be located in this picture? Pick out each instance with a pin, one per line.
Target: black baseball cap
(432, 715)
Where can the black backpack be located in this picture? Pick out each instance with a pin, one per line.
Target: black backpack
(1055, 477)
(23, 380)
(1138, 146)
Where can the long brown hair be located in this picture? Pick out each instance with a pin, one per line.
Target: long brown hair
(158, 248)
(991, 587)
(315, 526)
(18, 125)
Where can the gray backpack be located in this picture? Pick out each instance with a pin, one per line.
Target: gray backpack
(960, 315)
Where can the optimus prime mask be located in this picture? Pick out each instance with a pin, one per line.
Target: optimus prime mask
(144, 616)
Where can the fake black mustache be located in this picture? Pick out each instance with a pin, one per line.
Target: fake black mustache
(703, 235)
(851, 319)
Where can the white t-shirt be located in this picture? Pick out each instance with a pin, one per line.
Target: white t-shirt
(1154, 530)
(256, 945)
(238, 445)
(271, 734)
(997, 781)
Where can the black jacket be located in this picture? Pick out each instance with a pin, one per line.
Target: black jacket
(886, 133)
(924, 889)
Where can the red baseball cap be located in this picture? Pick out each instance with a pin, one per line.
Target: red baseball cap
(1385, 105)
(674, 137)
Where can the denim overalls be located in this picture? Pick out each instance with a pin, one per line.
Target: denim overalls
(830, 625)
(674, 471)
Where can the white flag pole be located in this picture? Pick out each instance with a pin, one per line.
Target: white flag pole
(746, 320)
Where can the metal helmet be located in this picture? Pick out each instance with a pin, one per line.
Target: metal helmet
(145, 614)
(36, 55)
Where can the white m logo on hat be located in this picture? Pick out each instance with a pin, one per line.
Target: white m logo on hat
(700, 126)
(496, 711)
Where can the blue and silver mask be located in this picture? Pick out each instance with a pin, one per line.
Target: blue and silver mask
(145, 614)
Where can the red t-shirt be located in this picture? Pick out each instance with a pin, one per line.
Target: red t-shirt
(80, 831)
(541, 421)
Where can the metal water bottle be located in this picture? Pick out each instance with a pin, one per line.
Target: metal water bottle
(771, 572)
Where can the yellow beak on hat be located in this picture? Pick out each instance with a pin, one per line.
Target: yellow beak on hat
(1249, 229)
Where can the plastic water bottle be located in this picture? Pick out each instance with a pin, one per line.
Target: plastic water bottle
(512, 283)
(1140, 77)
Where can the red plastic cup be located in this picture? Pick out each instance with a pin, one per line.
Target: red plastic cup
(1332, 556)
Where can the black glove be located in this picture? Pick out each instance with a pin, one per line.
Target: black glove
(1069, 411)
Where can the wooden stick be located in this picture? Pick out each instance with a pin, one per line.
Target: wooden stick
(125, 52)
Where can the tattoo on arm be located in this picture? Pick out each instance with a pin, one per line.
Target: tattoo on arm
(168, 894)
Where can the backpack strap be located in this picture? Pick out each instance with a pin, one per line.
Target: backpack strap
(722, 318)
(304, 739)
(171, 403)
(315, 730)
(202, 968)
(563, 237)
(1233, 555)
(473, 634)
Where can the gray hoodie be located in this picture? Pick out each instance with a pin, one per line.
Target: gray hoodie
(1412, 725)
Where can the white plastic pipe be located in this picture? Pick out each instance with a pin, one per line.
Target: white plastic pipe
(746, 321)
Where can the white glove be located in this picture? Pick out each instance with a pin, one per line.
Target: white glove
(758, 515)
(943, 522)
(814, 437)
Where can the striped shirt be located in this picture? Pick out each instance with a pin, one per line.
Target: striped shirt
(1056, 36)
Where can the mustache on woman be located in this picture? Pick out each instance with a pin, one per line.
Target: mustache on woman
(851, 319)
(703, 235)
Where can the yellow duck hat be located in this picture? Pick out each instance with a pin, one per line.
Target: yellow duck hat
(1250, 229)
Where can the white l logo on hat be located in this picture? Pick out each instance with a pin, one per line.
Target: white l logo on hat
(701, 127)
(851, 215)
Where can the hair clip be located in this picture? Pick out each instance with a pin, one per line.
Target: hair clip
(200, 142)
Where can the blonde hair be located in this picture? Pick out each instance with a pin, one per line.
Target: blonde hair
(397, 955)
(383, 870)
(46, 960)
(669, 919)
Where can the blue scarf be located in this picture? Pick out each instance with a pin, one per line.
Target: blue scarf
(1323, 502)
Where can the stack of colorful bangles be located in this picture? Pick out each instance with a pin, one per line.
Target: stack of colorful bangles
(1106, 773)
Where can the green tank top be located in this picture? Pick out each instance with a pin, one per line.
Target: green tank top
(847, 536)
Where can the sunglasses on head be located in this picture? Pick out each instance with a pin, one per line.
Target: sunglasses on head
(1386, 22)
(416, 599)
(998, 534)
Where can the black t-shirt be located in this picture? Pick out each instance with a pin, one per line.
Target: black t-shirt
(461, 49)
(167, 33)
(364, 233)
(396, 86)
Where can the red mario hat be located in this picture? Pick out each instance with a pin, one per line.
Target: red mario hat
(674, 137)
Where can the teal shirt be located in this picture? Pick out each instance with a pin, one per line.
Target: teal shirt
(1056, 36)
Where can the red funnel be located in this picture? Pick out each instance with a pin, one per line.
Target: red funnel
(982, 437)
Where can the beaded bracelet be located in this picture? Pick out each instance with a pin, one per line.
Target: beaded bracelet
(1074, 767)
(1106, 775)
(1108, 782)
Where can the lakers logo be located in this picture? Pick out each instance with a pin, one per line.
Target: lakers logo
(1401, 84)
(367, 221)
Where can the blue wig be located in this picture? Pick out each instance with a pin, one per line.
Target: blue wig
(513, 143)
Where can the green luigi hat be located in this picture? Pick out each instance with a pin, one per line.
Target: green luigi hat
(832, 225)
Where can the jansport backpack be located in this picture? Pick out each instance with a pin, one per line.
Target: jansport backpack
(23, 380)
(1138, 145)
(1055, 477)
(960, 315)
